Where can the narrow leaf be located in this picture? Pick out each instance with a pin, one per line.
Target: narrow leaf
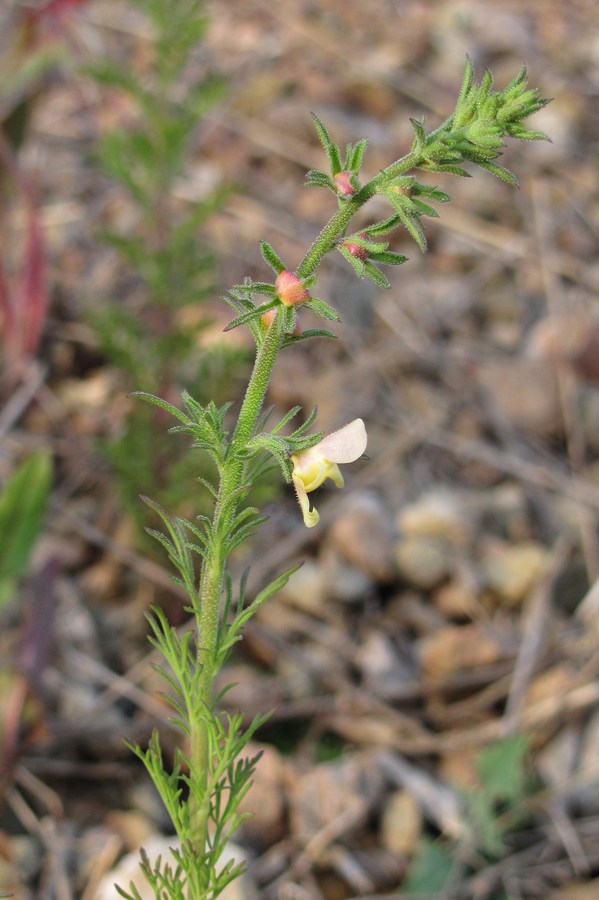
(271, 258)
(322, 309)
(376, 276)
(252, 314)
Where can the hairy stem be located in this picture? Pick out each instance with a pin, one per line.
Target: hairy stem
(338, 223)
(207, 607)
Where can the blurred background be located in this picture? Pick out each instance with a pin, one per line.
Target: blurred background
(432, 668)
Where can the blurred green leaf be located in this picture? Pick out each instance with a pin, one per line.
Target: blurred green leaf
(23, 504)
(501, 768)
(430, 870)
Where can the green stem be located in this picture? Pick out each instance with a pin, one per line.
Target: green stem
(347, 210)
(208, 604)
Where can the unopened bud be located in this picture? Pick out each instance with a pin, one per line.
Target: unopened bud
(343, 183)
(290, 290)
(267, 319)
(357, 250)
(404, 190)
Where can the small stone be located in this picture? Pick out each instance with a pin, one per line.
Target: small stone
(379, 662)
(423, 561)
(362, 534)
(329, 791)
(401, 823)
(456, 600)
(458, 647)
(458, 768)
(512, 571)
(343, 581)
(305, 589)
(579, 890)
(438, 514)
(524, 392)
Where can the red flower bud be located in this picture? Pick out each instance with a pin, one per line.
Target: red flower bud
(356, 249)
(290, 290)
(343, 183)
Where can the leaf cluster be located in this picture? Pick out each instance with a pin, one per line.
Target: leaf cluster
(182, 788)
(351, 164)
(475, 131)
(241, 299)
(373, 251)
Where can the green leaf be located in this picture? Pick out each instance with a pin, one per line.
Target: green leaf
(232, 632)
(321, 131)
(501, 768)
(409, 219)
(315, 178)
(430, 871)
(322, 309)
(23, 503)
(331, 149)
(467, 80)
(356, 155)
(163, 404)
(499, 171)
(308, 333)
(271, 258)
(383, 227)
(334, 158)
(252, 314)
(376, 276)
(446, 168)
(424, 209)
(419, 134)
(389, 258)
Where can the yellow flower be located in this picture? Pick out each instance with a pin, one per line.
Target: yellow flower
(313, 466)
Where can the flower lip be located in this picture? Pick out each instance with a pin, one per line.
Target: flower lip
(313, 466)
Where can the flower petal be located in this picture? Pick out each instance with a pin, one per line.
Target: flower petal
(311, 516)
(345, 445)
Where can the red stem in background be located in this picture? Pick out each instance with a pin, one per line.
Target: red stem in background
(24, 303)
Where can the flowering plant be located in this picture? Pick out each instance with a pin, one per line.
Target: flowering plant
(203, 790)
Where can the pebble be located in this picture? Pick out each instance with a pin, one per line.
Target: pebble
(329, 791)
(306, 589)
(512, 571)
(458, 647)
(438, 514)
(344, 582)
(524, 392)
(423, 561)
(401, 823)
(379, 662)
(362, 534)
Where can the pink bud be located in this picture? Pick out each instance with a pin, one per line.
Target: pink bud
(343, 183)
(290, 290)
(356, 249)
